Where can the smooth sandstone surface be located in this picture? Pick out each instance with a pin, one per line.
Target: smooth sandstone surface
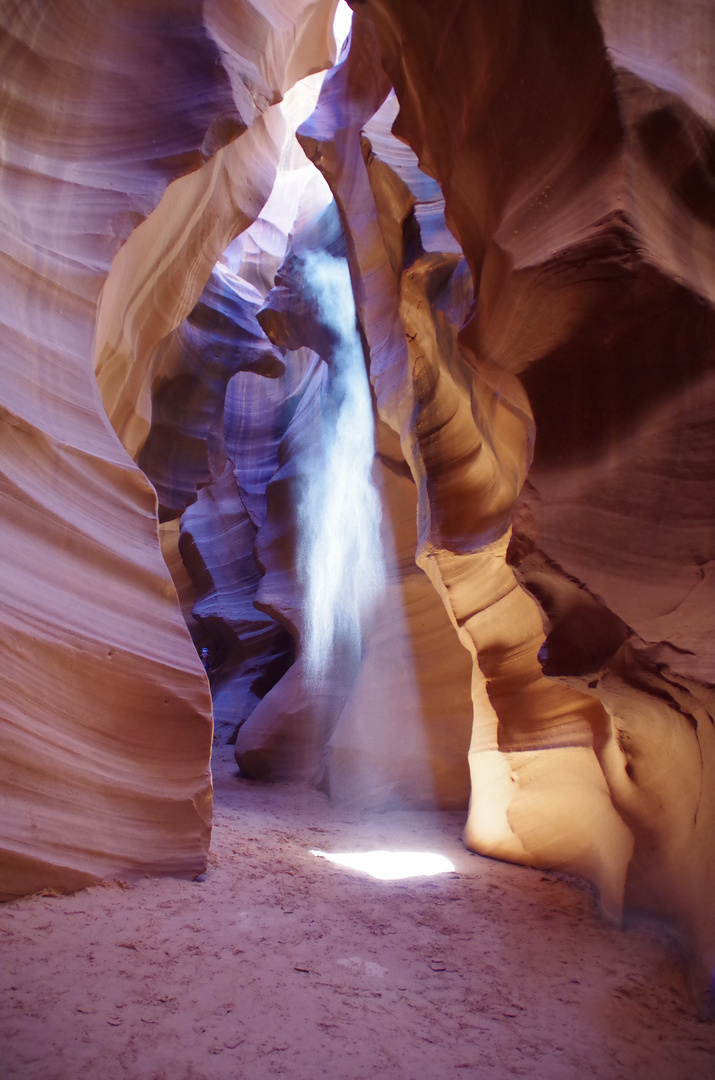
(577, 177)
(106, 713)
(524, 197)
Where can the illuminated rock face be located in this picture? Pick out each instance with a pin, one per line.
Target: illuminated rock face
(535, 305)
(106, 714)
(388, 725)
(577, 171)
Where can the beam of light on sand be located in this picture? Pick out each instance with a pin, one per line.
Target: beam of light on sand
(391, 865)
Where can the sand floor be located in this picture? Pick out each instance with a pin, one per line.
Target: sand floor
(278, 963)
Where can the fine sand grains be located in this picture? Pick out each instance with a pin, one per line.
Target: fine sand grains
(281, 964)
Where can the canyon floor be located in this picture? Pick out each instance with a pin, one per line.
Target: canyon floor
(279, 963)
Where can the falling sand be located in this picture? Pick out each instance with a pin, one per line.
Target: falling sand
(278, 963)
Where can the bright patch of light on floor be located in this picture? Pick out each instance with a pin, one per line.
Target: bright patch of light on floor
(391, 865)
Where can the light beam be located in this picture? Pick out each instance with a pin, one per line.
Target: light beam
(341, 563)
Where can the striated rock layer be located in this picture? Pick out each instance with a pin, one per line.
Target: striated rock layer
(391, 729)
(105, 710)
(577, 172)
(525, 199)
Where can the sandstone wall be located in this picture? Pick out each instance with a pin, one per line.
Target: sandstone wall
(525, 196)
(106, 712)
(577, 172)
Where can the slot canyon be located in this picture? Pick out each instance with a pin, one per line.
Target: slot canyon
(357, 495)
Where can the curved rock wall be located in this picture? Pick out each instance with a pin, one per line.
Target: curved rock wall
(525, 195)
(393, 730)
(106, 713)
(577, 172)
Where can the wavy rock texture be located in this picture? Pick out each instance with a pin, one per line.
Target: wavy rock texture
(577, 172)
(106, 715)
(249, 650)
(395, 730)
(526, 202)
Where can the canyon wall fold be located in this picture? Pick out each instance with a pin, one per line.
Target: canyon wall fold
(106, 713)
(577, 174)
(518, 199)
